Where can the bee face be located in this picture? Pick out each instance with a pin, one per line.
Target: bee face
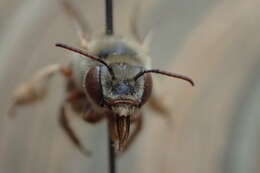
(124, 87)
(123, 95)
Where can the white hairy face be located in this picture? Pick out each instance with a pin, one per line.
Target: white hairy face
(124, 109)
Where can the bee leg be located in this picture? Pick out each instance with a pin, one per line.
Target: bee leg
(37, 88)
(64, 122)
(138, 121)
(80, 23)
(82, 107)
(156, 104)
(92, 117)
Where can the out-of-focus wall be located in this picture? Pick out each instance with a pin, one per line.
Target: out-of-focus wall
(214, 125)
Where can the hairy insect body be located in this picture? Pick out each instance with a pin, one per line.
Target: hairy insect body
(120, 97)
(111, 80)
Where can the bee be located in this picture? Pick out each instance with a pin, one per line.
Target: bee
(108, 78)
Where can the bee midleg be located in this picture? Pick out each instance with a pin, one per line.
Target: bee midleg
(37, 88)
(138, 122)
(80, 23)
(74, 98)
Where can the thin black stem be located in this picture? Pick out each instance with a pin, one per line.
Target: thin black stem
(110, 31)
(109, 17)
(112, 165)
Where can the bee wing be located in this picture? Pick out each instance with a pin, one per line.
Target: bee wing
(82, 28)
(134, 20)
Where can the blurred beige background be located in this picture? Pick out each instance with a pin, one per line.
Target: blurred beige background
(215, 124)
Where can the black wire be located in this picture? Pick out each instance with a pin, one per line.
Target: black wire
(112, 162)
(110, 31)
(109, 17)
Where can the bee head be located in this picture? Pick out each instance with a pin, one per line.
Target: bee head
(122, 93)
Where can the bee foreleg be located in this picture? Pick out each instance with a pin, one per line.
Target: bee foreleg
(92, 117)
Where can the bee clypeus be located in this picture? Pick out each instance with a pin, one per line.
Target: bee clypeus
(109, 79)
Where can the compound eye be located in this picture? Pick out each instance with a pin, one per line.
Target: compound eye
(148, 85)
(93, 86)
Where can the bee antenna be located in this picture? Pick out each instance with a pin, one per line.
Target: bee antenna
(164, 73)
(95, 58)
